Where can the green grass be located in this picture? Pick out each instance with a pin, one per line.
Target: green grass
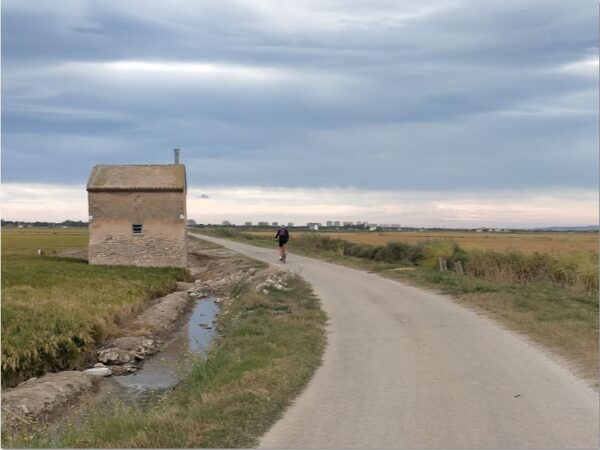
(553, 299)
(50, 240)
(55, 311)
(268, 349)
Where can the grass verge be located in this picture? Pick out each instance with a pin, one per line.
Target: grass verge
(269, 346)
(553, 302)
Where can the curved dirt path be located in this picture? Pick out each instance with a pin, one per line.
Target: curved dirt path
(406, 368)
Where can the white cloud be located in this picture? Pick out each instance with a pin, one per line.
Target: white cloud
(157, 78)
(179, 69)
(331, 16)
(25, 201)
(587, 67)
(43, 202)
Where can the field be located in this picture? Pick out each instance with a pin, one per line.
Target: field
(27, 241)
(524, 242)
(268, 348)
(56, 310)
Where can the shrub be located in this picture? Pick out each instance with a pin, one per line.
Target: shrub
(576, 269)
(445, 249)
(319, 242)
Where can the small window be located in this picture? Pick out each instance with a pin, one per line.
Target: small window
(136, 228)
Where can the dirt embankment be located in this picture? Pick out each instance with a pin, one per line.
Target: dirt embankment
(214, 271)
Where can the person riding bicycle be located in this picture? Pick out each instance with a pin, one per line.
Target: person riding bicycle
(282, 236)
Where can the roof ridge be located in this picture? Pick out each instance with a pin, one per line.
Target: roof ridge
(123, 177)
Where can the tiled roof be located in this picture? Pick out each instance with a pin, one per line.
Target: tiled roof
(151, 177)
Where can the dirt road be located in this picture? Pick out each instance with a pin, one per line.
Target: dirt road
(408, 368)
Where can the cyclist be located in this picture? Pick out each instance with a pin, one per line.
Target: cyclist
(282, 237)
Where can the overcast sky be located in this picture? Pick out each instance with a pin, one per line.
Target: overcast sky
(422, 112)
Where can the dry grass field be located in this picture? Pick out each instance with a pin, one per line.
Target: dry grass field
(524, 242)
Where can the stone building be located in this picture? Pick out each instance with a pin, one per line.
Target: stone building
(138, 215)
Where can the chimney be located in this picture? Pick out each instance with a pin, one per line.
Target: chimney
(176, 155)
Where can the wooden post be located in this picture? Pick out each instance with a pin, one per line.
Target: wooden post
(442, 264)
(459, 268)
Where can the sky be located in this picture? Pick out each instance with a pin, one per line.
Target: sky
(461, 113)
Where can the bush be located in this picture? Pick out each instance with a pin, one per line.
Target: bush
(319, 242)
(445, 249)
(577, 269)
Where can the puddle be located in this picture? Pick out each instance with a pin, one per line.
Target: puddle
(164, 370)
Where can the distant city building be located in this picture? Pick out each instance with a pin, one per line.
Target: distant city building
(226, 223)
(348, 224)
(313, 226)
(275, 224)
(247, 224)
(290, 224)
(329, 223)
(191, 223)
(263, 224)
(336, 223)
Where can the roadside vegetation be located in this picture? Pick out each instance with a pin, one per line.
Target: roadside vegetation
(505, 241)
(55, 311)
(268, 348)
(550, 296)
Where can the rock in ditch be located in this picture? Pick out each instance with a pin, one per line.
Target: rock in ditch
(183, 286)
(98, 372)
(138, 345)
(123, 370)
(117, 356)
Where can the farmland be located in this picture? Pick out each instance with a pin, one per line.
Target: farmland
(269, 345)
(27, 241)
(56, 310)
(525, 242)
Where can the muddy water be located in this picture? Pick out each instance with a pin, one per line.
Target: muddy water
(164, 370)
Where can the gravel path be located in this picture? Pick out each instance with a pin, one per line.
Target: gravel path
(406, 368)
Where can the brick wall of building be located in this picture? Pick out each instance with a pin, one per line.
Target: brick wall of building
(163, 239)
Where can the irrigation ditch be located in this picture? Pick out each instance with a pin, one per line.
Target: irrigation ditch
(151, 355)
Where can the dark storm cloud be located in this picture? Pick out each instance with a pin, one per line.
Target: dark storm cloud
(388, 95)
